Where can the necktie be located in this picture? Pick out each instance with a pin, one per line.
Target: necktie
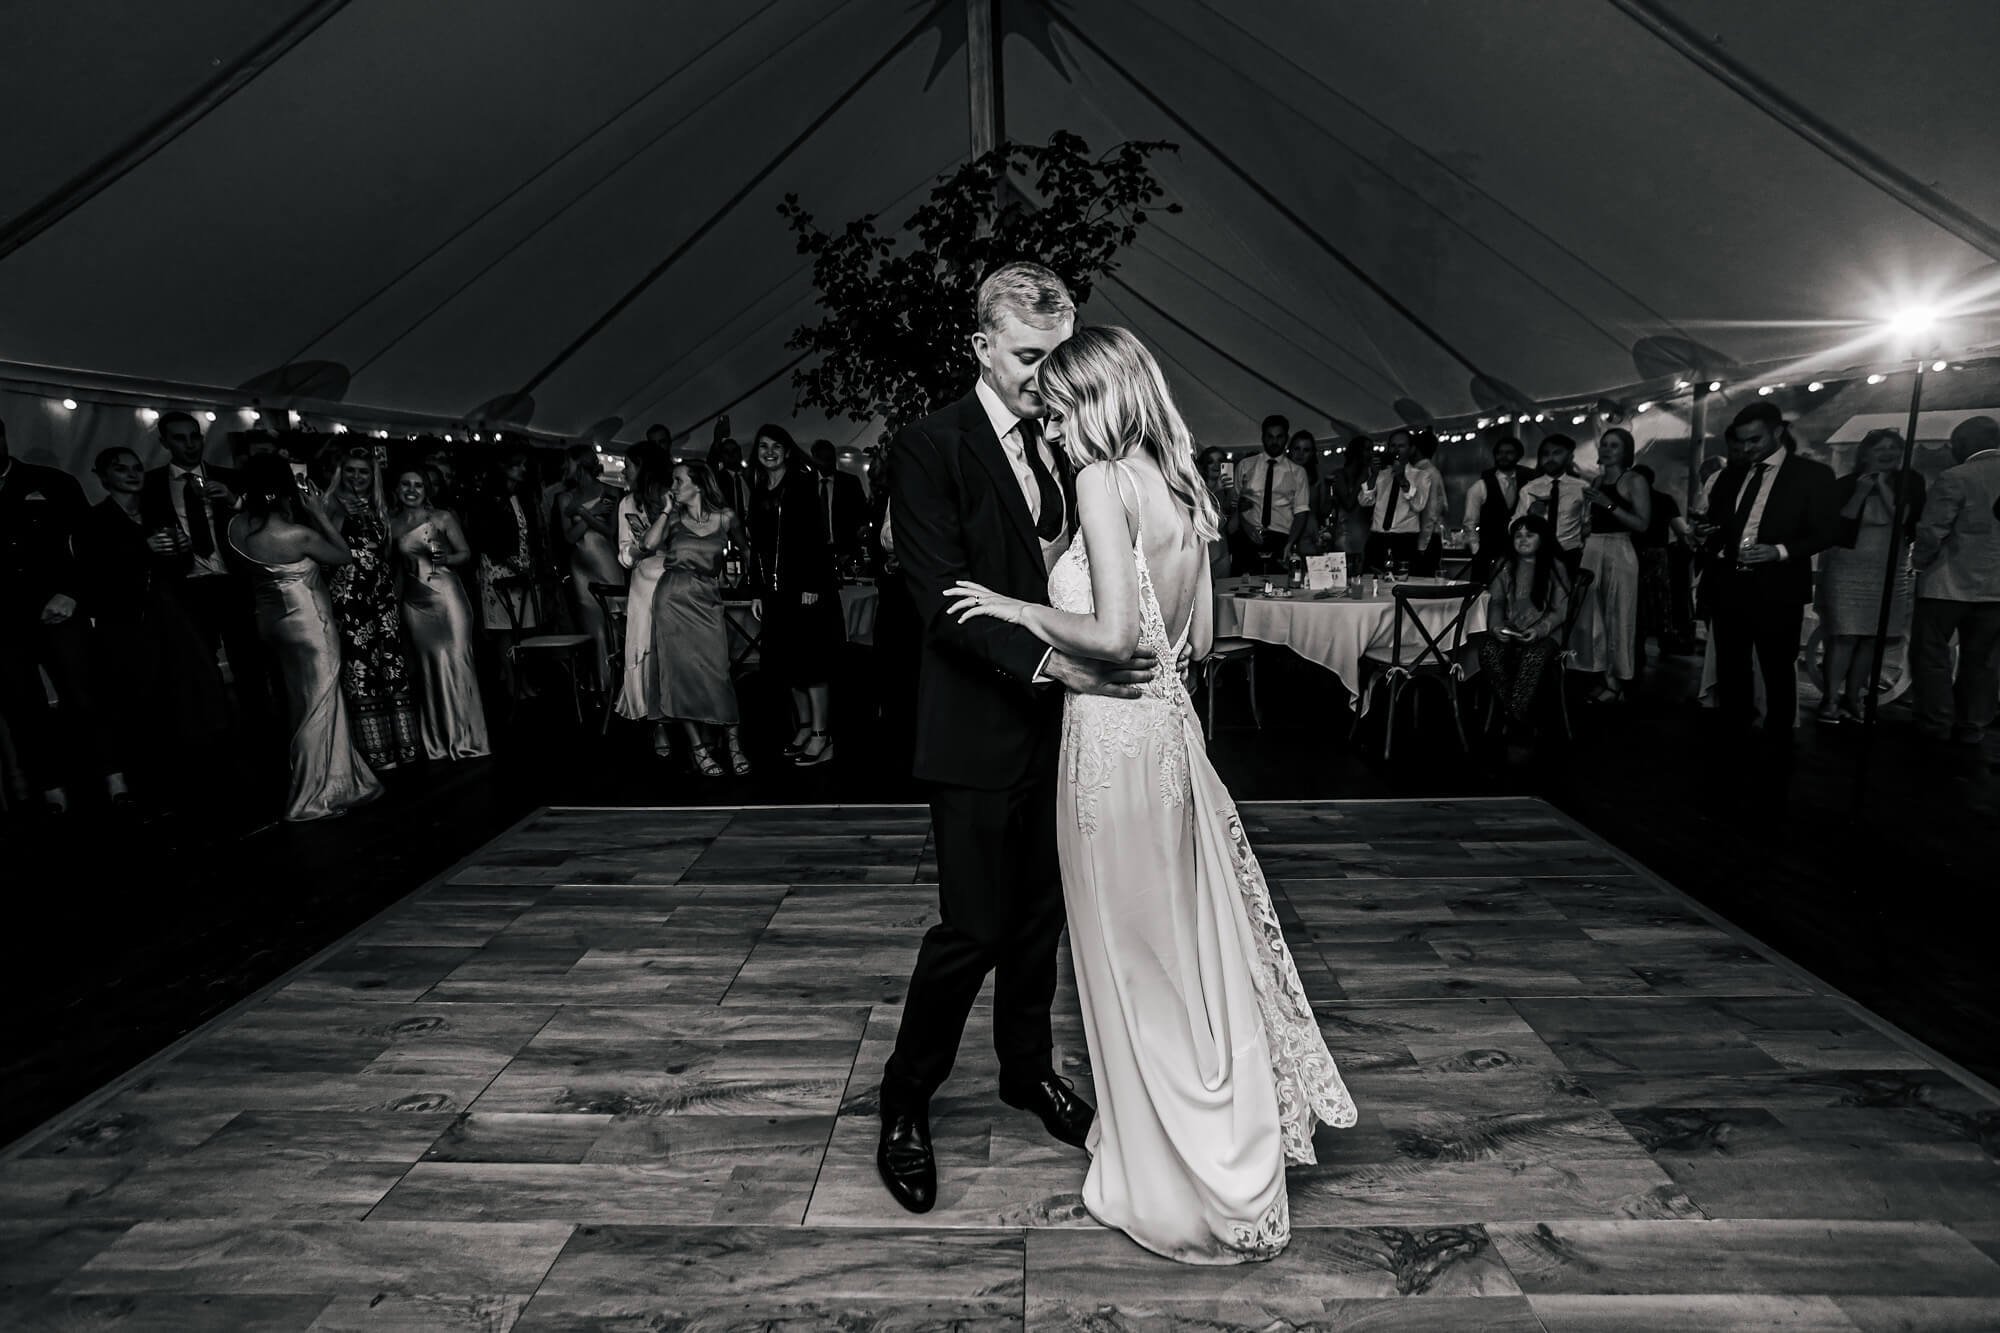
(1555, 507)
(195, 501)
(1049, 522)
(1270, 466)
(826, 501)
(1740, 520)
(1389, 506)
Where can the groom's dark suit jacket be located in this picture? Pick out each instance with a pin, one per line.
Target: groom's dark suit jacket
(957, 512)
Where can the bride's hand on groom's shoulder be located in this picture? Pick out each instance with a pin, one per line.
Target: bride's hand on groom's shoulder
(1113, 680)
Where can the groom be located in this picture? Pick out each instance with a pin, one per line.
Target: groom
(978, 494)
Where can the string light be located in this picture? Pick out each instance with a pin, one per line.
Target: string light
(1484, 422)
(148, 415)
(1937, 365)
(1815, 386)
(1877, 378)
(339, 429)
(209, 417)
(1682, 384)
(69, 404)
(1713, 385)
(1578, 419)
(1766, 390)
(1645, 407)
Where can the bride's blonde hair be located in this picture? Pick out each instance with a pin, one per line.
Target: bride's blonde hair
(1115, 402)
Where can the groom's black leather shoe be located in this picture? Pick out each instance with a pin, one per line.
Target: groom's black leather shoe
(904, 1155)
(1064, 1114)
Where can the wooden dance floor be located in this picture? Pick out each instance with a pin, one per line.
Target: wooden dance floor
(618, 1071)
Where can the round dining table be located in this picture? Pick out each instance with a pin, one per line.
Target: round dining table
(1334, 629)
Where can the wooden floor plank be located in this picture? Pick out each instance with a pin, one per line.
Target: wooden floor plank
(622, 1071)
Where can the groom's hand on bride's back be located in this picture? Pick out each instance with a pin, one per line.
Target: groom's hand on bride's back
(1114, 680)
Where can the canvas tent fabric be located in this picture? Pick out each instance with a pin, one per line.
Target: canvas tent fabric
(443, 197)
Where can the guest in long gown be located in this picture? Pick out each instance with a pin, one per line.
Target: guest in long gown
(690, 663)
(284, 538)
(1849, 587)
(798, 589)
(374, 672)
(505, 535)
(588, 512)
(652, 478)
(1526, 604)
(1606, 638)
(171, 703)
(437, 617)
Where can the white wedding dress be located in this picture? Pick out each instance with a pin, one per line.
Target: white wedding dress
(1209, 1068)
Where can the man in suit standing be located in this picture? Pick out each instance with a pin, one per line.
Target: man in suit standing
(44, 627)
(1958, 590)
(843, 501)
(187, 505)
(1489, 508)
(979, 494)
(1776, 511)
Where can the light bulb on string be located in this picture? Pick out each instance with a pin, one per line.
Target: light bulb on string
(1714, 385)
(209, 417)
(1877, 378)
(69, 404)
(1815, 386)
(1937, 365)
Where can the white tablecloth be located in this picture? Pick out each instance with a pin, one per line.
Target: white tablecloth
(1335, 631)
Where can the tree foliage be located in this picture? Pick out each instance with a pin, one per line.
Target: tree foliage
(894, 343)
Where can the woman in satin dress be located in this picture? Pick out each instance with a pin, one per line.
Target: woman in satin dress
(652, 478)
(690, 662)
(1209, 1067)
(437, 620)
(284, 538)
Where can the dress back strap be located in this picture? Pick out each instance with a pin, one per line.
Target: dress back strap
(1133, 507)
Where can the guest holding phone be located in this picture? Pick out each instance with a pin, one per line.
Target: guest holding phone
(1527, 603)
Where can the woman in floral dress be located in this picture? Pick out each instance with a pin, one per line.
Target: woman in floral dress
(374, 671)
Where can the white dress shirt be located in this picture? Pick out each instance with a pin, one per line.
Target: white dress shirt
(1414, 506)
(177, 492)
(1570, 506)
(1771, 464)
(1475, 499)
(1291, 492)
(1008, 427)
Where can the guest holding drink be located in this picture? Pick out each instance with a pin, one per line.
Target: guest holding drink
(437, 617)
(690, 662)
(373, 669)
(285, 538)
(1849, 588)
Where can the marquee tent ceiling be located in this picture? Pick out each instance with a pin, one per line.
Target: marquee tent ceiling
(442, 197)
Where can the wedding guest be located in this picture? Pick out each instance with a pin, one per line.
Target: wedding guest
(1345, 514)
(437, 618)
(1220, 479)
(505, 534)
(690, 662)
(1273, 502)
(192, 502)
(374, 673)
(43, 627)
(1527, 602)
(732, 474)
(1303, 449)
(1663, 575)
(1848, 591)
(1958, 590)
(661, 437)
(843, 501)
(588, 512)
(1399, 502)
(1430, 528)
(444, 488)
(1607, 628)
(652, 476)
(1775, 513)
(1489, 508)
(285, 540)
(798, 589)
(1557, 493)
(171, 705)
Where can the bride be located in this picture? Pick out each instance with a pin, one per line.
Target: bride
(1210, 1070)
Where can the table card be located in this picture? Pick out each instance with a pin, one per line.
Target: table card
(1326, 571)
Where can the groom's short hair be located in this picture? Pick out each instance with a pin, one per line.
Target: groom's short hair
(1027, 291)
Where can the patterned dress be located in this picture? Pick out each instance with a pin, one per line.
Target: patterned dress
(374, 670)
(1209, 1068)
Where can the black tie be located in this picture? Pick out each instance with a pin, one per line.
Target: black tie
(1389, 510)
(195, 500)
(1740, 520)
(826, 498)
(1270, 466)
(1049, 525)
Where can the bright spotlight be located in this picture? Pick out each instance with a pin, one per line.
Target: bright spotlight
(1912, 322)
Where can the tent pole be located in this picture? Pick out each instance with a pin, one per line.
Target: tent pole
(1697, 436)
(1896, 555)
(1740, 79)
(982, 75)
(149, 139)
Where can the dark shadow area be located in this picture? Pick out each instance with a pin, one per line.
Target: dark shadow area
(133, 930)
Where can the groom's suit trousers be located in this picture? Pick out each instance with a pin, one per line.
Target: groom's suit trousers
(1000, 899)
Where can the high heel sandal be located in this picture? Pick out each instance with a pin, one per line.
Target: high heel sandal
(798, 742)
(663, 743)
(705, 763)
(739, 762)
(808, 757)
